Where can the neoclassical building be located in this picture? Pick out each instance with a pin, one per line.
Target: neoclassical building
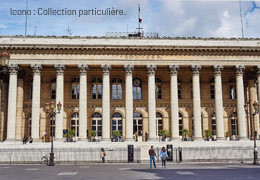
(129, 84)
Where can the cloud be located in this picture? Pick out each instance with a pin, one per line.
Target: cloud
(2, 26)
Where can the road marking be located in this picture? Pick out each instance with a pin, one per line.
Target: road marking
(4, 167)
(185, 172)
(32, 169)
(123, 169)
(67, 173)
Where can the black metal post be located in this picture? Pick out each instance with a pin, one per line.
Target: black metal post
(51, 162)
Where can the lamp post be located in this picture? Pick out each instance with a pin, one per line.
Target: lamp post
(256, 108)
(51, 110)
(248, 120)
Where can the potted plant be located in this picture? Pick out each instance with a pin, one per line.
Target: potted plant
(185, 133)
(93, 134)
(71, 134)
(208, 135)
(228, 135)
(116, 134)
(162, 134)
(65, 137)
(168, 135)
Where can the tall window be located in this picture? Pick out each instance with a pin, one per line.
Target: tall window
(116, 88)
(159, 123)
(30, 125)
(212, 89)
(75, 88)
(137, 88)
(138, 123)
(180, 124)
(191, 90)
(74, 123)
(117, 119)
(97, 123)
(234, 124)
(97, 88)
(179, 89)
(53, 88)
(31, 89)
(213, 124)
(232, 89)
(158, 89)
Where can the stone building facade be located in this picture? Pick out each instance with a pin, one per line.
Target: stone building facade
(131, 85)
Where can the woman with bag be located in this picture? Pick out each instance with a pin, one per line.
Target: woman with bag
(163, 156)
(102, 155)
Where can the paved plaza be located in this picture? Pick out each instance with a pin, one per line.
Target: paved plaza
(130, 171)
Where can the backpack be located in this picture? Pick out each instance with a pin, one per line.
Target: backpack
(104, 153)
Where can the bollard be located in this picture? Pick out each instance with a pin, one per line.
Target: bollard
(180, 154)
(130, 153)
(169, 152)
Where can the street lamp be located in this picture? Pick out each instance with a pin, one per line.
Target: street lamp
(51, 110)
(256, 108)
(248, 119)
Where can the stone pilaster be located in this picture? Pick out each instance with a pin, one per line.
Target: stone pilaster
(36, 100)
(174, 102)
(59, 98)
(151, 102)
(106, 103)
(12, 96)
(240, 102)
(129, 101)
(219, 102)
(83, 70)
(196, 101)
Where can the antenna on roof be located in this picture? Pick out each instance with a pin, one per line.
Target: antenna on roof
(241, 19)
(25, 30)
(69, 31)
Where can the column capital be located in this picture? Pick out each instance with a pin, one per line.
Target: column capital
(195, 69)
(36, 69)
(240, 69)
(129, 69)
(83, 69)
(217, 69)
(173, 69)
(60, 69)
(13, 69)
(105, 68)
(151, 68)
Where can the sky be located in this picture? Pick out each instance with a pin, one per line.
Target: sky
(171, 18)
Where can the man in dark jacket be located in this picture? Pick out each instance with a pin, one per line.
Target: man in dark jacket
(152, 155)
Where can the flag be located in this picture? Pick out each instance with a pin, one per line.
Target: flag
(139, 10)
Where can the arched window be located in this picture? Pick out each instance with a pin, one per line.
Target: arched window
(53, 88)
(116, 88)
(97, 123)
(212, 89)
(75, 88)
(232, 89)
(29, 125)
(159, 123)
(180, 124)
(234, 124)
(137, 88)
(179, 89)
(158, 89)
(138, 123)
(117, 120)
(97, 88)
(74, 123)
(213, 124)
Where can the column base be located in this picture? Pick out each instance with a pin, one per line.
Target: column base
(176, 139)
(243, 139)
(106, 139)
(10, 140)
(152, 139)
(82, 139)
(36, 140)
(129, 140)
(58, 140)
(198, 139)
(221, 139)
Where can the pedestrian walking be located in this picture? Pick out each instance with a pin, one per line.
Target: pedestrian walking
(146, 136)
(102, 155)
(24, 139)
(152, 155)
(136, 137)
(163, 156)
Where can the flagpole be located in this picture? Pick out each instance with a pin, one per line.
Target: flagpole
(25, 31)
(138, 18)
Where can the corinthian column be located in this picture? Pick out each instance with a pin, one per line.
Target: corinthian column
(83, 70)
(12, 96)
(196, 101)
(106, 103)
(151, 102)
(129, 101)
(174, 102)
(59, 98)
(240, 102)
(219, 102)
(36, 100)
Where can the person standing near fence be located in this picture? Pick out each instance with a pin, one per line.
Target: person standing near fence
(102, 155)
(152, 155)
(163, 156)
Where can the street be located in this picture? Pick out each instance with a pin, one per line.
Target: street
(130, 171)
